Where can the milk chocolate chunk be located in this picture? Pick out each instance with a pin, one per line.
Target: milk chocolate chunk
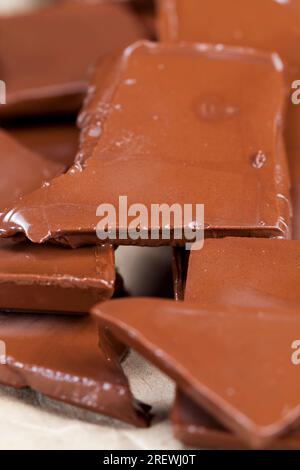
(50, 74)
(243, 24)
(50, 278)
(245, 272)
(192, 124)
(60, 357)
(56, 141)
(236, 363)
(53, 279)
(196, 428)
(21, 170)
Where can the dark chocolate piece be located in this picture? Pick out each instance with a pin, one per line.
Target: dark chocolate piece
(151, 121)
(61, 358)
(48, 73)
(236, 363)
(237, 23)
(245, 272)
(196, 428)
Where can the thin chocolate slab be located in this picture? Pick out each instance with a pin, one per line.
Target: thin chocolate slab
(196, 428)
(49, 73)
(245, 272)
(48, 278)
(234, 362)
(52, 279)
(21, 170)
(61, 358)
(156, 128)
(237, 23)
(58, 141)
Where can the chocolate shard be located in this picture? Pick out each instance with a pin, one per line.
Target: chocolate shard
(245, 272)
(155, 127)
(57, 141)
(46, 278)
(244, 24)
(60, 357)
(236, 363)
(196, 428)
(50, 75)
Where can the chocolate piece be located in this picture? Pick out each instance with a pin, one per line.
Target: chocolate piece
(48, 279)
(61, 358)
(245, 272)
(151, 121)
(243, 24)
(56, 141)
(21, 171)
(236, 363)
(54, 279)
(196, 428)
(49, 73)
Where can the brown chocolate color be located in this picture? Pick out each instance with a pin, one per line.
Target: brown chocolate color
(56, 141)
(151, 121)
(236, 363)
(245, 272)
(196, 428)
(48, 279)
(21, 171)
(49, 73)
(61, 358)
(266, 25)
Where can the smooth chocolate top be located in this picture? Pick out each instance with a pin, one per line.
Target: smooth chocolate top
(56, 141)
(266, 25)
(196, 428)
(190, 125)
(21, 170)
(60, 357)
(234, 362)
(49, 72)
(245, 272)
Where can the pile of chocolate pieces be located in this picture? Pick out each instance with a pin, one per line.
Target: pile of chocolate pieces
(187, 102)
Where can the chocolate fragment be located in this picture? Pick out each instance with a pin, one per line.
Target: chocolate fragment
(155, 126)
(245, 272)
(61, 358)
(196, 428)
(243, 24)
(48, 278)
(50, 75)
(57, 141)
(234, 362)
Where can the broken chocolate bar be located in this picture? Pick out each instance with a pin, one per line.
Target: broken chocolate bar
(236, 363)
(237, 23)
(49, 73)
(196, 428)
(61, 358)
(159, 134)
(50, 278)
(245, 272)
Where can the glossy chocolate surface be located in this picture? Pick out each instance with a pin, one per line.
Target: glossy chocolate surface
(266, 25)
(156, 128)
(50, 75)
(61, 358)
(48, 278)
(245, 272)
(196, 428)
(234, 362)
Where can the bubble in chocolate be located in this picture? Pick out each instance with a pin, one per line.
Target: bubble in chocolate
(259, 160)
